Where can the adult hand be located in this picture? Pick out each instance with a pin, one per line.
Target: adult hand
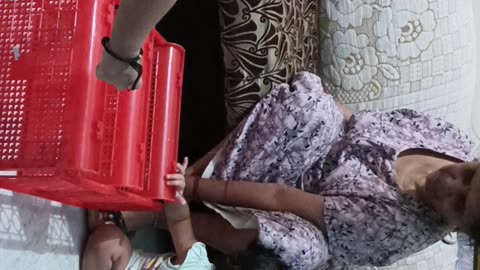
(117, 73)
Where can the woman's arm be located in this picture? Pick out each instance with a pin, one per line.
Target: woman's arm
(134, 22)
(199, 166)
(268, 197)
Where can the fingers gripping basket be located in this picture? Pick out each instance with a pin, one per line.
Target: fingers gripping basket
(66, 136)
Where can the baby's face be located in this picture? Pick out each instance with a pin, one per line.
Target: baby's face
(454, 192)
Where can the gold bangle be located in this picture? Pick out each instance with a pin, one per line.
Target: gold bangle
(196, 182)
(225, 189)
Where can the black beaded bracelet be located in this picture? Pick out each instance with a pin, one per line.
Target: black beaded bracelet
(133, 62)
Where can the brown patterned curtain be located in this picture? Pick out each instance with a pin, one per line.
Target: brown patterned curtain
(264, 43)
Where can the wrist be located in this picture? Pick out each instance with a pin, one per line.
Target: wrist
(189, 185)
(189, 171)
(123, 49)
(176, 212)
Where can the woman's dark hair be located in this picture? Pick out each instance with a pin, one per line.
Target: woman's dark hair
(474, 229)
(474, 233)
(255, 258)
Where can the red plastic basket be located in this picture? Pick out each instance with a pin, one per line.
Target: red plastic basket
(69, 137)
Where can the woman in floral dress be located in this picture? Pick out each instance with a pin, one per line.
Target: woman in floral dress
(318, 186)
(322, 188)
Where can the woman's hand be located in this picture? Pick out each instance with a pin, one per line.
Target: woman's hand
(117, 73)
(178, 181)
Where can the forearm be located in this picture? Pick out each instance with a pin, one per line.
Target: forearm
(200, 165)
(238, 193)
(180, 227)
(267, 197)
(134, 22)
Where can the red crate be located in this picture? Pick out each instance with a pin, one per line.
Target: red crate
(69, 137)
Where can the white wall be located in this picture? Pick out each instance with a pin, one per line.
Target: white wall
(476, 100)
(39, 234)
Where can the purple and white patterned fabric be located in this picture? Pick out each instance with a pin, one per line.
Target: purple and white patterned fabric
(297, 136)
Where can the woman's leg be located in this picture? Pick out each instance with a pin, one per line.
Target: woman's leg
(211, 229)
(226, 239)
(108, 248)
(285, 135)
(287, 132)
(218, 233)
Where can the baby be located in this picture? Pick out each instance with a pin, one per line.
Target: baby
(108, 248)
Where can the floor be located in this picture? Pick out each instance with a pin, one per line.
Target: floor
(38, 234)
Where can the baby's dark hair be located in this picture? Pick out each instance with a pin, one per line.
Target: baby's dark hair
(255, 258)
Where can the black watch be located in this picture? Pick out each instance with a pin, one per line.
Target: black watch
(133, 62)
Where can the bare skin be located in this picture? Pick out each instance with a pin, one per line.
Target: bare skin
(108, 248)
(347, 114)
(133, 23)
(226, 239)
(414, 165)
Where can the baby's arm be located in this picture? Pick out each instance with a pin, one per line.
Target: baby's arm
(178, 217)
(180, 227)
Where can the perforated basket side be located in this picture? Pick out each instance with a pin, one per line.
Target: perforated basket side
(35, 54)
(48, 51)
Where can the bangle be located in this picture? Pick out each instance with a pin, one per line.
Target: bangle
(133, 62)
(196, 182)
(225, 189)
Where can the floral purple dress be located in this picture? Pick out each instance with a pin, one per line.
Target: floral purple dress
(297, 136)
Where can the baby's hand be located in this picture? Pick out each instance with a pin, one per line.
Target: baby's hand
(178, 181)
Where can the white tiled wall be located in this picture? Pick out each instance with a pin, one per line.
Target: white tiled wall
(438, 257)
(476, 100)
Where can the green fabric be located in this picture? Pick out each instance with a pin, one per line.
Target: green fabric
(197, 259)
(151, 240)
